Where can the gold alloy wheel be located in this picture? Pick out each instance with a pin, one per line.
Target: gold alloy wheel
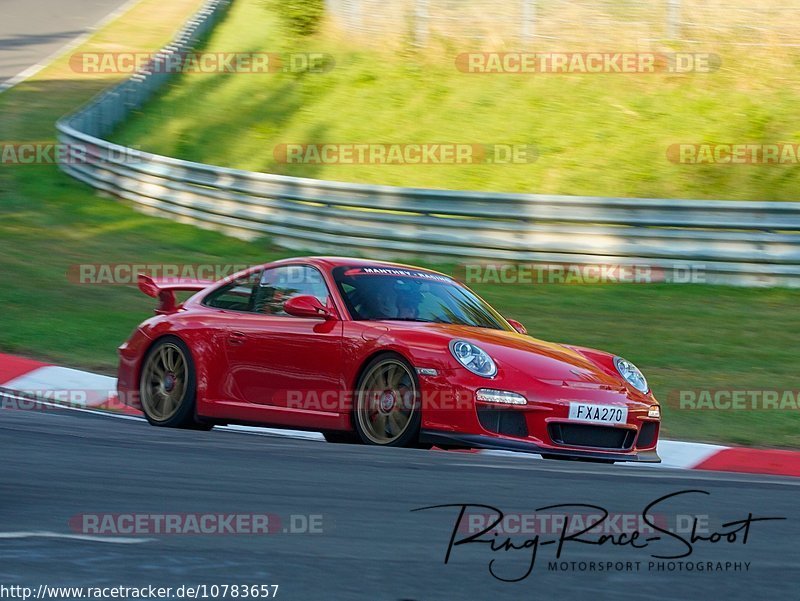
(163, 382)
(387, 401)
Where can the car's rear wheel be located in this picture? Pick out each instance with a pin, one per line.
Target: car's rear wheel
(167, 386)
(387, 410)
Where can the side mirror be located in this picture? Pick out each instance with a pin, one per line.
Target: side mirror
(305, 305)
(517, 326)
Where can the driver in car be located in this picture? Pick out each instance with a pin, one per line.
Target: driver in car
(392, 300)
(407, 305)
(383, 305)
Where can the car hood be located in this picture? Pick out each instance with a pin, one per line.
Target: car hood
(513, 352)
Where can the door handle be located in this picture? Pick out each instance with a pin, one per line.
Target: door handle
(236, 338)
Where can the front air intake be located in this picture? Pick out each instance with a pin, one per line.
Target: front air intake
(591, 436)
(503, 421)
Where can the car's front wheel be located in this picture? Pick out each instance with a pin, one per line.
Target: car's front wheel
(387, 409)
(167, 386)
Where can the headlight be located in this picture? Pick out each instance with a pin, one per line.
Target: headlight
(473, 358)
(631, 374)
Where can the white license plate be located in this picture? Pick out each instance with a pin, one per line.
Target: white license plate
(598, 414)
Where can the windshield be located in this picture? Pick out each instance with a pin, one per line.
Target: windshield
(374, 293)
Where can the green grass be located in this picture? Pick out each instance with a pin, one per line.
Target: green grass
(681, 336)
(596, 134)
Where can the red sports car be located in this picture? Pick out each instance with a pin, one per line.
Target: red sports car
(381, 354)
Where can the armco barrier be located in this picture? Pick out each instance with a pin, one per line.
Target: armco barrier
(737, 242)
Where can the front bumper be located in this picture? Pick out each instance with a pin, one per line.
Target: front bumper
(480, 441)
(543, 425)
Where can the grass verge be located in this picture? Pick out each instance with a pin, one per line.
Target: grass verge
(596, 134)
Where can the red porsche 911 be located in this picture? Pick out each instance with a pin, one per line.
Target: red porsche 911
(382, 354)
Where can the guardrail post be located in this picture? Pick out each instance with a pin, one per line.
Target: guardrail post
(528, 21)
(673, 19)
(420, 21)
(356, 18)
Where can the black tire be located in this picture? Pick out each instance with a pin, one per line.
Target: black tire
(167, 386)
(405, 412)
(341, 437)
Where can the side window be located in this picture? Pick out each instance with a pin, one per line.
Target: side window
(279, 284)
(235, 296)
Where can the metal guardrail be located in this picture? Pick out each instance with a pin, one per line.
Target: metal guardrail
(561, 24)
(732, 242)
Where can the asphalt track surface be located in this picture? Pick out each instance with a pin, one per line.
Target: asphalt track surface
(58, 464)
(32, 30)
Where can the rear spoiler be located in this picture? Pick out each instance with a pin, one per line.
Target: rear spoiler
(164, 290)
